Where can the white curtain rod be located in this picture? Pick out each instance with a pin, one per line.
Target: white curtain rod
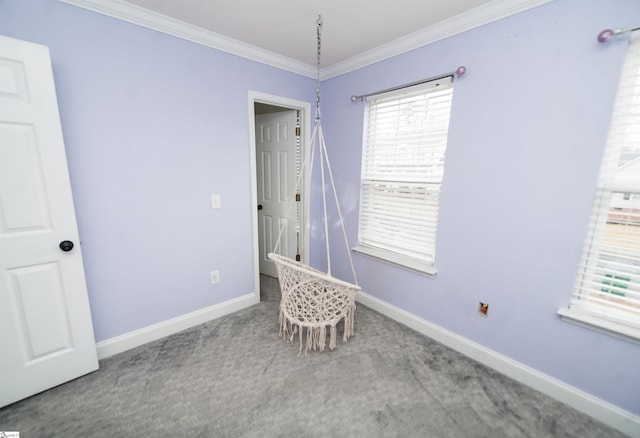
(457, 73)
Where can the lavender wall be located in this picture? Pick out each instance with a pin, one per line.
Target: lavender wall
(152, 125)
(528, 128)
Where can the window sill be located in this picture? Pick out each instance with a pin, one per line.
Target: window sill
(394, 259)
(600, 324)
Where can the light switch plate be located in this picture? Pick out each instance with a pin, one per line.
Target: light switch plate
(215, 200)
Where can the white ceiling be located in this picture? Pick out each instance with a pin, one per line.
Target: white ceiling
(283, 32)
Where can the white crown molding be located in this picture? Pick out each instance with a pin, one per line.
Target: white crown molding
(143, 17)
(476, 17)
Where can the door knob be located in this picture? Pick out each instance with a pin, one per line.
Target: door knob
(259, 206)
(66, 245)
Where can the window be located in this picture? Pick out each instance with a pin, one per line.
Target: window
(606, 295)
(402, 168)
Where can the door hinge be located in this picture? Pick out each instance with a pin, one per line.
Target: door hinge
(297, 197)
(297, 131)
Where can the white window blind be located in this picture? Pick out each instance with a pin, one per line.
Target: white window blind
(607, 290)
(402, 170)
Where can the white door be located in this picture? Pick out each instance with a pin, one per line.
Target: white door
(45, 322)
(276, 145)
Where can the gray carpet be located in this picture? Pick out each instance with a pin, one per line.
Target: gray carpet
(234, 377)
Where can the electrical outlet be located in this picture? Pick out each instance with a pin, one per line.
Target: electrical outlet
(215, 277)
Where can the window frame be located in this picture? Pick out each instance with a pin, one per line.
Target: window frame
(391, 252)
(607, 266)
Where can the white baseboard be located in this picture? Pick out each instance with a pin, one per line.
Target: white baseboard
(601, 410)
(154, 332)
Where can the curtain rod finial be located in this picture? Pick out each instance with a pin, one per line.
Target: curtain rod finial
(354, 98)
(461, 70)
(606, 35)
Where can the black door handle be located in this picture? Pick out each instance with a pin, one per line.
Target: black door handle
(66, 245)
(259, 206)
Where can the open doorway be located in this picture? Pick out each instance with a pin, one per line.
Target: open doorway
(279, 143)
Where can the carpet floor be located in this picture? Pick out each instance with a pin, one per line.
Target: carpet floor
(234, 377)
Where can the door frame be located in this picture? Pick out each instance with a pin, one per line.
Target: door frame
(305, 125)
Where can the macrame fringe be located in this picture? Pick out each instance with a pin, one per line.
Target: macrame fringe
(316, 337)
(349, 323)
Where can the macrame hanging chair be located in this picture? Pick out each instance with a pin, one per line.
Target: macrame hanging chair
(314, 302)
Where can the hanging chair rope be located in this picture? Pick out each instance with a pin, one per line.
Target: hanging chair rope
(318, 127)
(335, 197)
(317, 140)
(314, 301)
